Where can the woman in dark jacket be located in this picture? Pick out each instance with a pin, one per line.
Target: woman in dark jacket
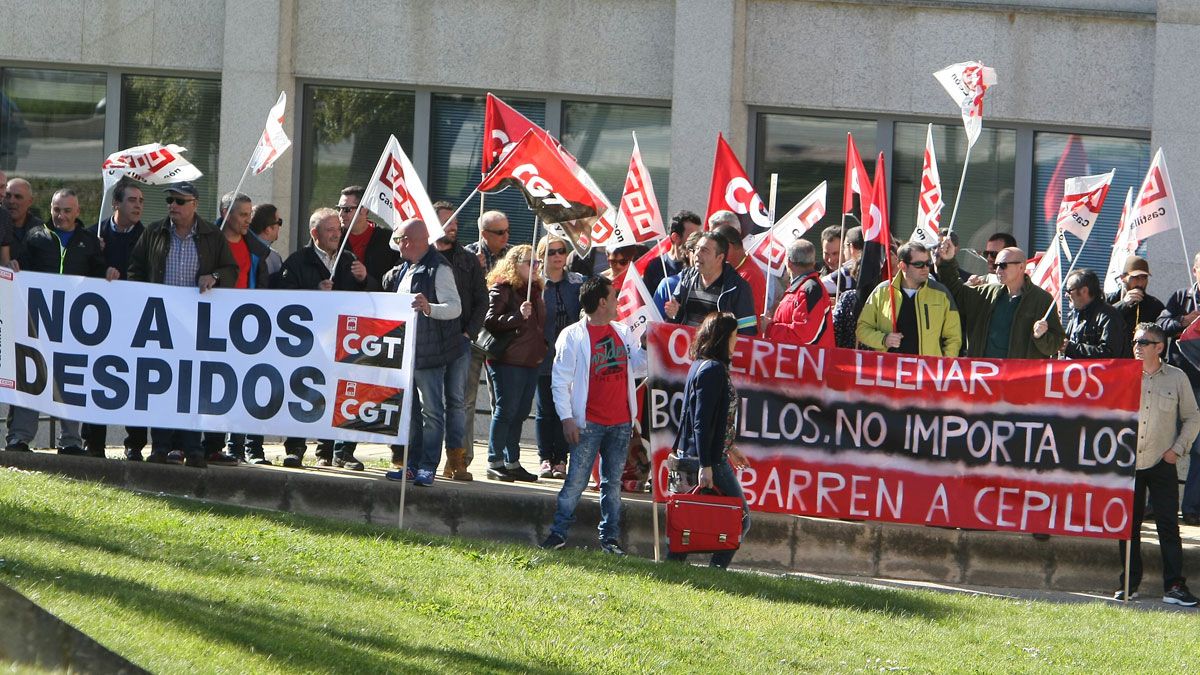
(561, 296)
(514, 373)
(709, 423)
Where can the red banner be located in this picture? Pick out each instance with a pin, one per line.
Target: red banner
(1016, 445)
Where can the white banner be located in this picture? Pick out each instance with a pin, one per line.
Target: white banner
(639, 219)
(317, 364)
(153, 163)
(274, 141)
(396, 192)
(1154, 209)
(966, 82)
(635, 304)
(929, 199)
(770, 248)
(1123, 247)
(1083, 197)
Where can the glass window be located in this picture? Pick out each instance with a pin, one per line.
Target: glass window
(599, 135)
(805, 151)
(987, 198)
(181, 110)
(345, 131)
(52, 133)
(1059, 156)
(455, 149)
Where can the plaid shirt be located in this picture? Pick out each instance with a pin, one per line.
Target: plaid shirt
(183, 261)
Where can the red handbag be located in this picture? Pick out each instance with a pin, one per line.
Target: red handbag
(703, 523)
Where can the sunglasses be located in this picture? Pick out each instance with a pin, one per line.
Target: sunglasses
(279, 221)
(919, 264)
(619, 260)
(556, 251)
(344, 209)
(1001, 265)
(498, 233)
(1143, 342)
(179, 201)
(991, 254)
(1075, 289)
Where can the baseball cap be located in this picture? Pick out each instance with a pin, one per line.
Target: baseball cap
(184, 188)
(1136, 266)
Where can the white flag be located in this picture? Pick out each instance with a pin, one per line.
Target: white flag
(1154, 209)
(396, 193)
(1123, 247)
(1047, 274)
(635, 305)
(769, 248)
(153, 163)
(638, 217)
(274, 142)
(966, 82)
(1083, 197)
(929, 199)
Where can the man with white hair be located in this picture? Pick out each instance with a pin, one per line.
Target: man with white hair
(804, 315)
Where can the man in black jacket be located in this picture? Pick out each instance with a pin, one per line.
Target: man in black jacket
(370, 242)
(1094, 330)
(1181, 310)
(182, 250)
(118, 234)
(311, 268)
(1133, 301)
(473, 296)
(63, 247)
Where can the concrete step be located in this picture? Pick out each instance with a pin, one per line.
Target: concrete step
(521, 513)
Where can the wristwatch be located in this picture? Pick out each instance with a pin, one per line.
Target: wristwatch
(216, 277)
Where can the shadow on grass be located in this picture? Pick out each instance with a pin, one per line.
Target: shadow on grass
(290, 639)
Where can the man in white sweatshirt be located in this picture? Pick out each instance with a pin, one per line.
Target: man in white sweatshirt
(595, 363)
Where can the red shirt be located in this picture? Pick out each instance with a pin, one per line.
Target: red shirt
(241, 253)
(754, 276)
(608, 378)
(358, 242)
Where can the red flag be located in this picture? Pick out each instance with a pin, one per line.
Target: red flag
(731, 190)
(550, 187)
(660, 249)
(1072, 162)
(855, 181)
(875, 226)
(503, 126)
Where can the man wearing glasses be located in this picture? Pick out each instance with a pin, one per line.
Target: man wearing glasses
(1094, 330)
(182, 250)
(911, 313)
(493, 240)
(1168, 422)
(473, 296)
(1006, 320)
(370, 242)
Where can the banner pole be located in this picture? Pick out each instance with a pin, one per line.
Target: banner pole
(654, 511)
(404, 483)
(105, 204)
(837, 272)
(346, 237)
(770, 226)
(532, 258)
(962, 179)
(1128, 552)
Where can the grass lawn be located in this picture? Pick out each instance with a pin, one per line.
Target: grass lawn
(181, 586)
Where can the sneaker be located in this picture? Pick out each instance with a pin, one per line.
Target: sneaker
(157, 458)
(133, 455)
(195, 462)
(260, 460)
(1191, 519)
(546, 470)
(1179, 595)
(401, 475)
(553, 543)
(324, 463)
(611, 546)
(175, 457)
(499, 473)
(222, 458)
(292, 462)
(560, 472)
(19, 446)
(73, 450)
(520, 474)
(349, 463)
(1120, 595)
(424, 478)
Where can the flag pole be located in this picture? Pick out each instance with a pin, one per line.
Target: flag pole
(532, 258)
(962, 179)
(404, 482)
(770, 225)
(1060, 241)
(245, 172)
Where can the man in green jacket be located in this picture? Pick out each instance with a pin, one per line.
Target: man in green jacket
(1008, 320)
(911, 314)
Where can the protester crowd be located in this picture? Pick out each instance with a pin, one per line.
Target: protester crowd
(538, 323)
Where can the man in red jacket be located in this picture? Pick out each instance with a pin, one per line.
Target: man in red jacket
(803, 316)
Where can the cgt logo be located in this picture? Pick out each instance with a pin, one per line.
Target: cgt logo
(368, 407)
(368, 341)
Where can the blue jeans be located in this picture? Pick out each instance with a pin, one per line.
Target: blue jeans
(1191, 487)
(427, 423)
(514, 387)
(163, 441)
(612, 442)
(244, 445)
(725, 480)
(456, 390)
(552, 444)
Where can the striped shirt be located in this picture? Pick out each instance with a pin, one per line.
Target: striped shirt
(183, 260)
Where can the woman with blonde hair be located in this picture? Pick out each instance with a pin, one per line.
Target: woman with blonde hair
(515, 313)
(561, 296)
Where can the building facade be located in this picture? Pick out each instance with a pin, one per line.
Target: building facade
(1084, 86)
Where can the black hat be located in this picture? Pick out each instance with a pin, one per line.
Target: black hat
(184, 188)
